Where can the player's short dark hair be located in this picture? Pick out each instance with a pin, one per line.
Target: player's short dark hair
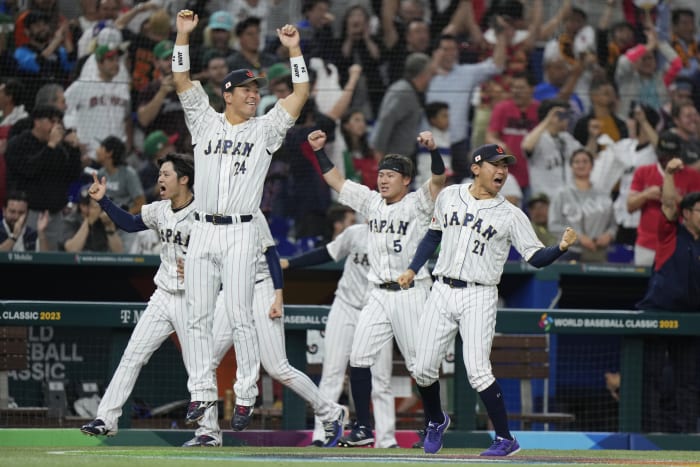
(246, 23)
(581, 151)
(408, 168)
(15, 89)
(183, 165)
(116, 148)
(16, 195)
(676, 14)
(689, 200)
(432, 109)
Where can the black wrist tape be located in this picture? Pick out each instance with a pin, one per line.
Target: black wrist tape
(323, 161)
(437, 165)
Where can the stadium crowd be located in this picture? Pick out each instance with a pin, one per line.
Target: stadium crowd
(593, 102)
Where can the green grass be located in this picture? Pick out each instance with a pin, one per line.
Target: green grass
(313, 457)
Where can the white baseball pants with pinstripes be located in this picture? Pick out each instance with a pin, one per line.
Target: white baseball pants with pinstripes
(469, 310)
(165, 313)
(340, 329)
(218, 255)
(269, 337)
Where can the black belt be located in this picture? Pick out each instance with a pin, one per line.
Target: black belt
(394, 286)
(221, 219)
(456, 283)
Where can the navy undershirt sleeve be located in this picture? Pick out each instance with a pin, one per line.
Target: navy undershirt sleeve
(273, 263)
(123, 219)
(545, 256)
(312, 258)
(425, 250)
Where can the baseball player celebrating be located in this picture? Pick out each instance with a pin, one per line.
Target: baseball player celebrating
(350, 297)
(397, 220)
(476, 226)
(268, 342)
(166, 311)
(232, 153)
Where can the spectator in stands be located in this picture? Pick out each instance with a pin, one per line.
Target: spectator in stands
(144, 63)
(645, 195)
(15, 234)
(586, 209)
(357, 46)
(549, 147)
(216, 70)
(416, 39)
(360, 160)
(12, 94)
(47, 56)
(560, 79)
(249, 55)
(680, 91)
(438, 116)
(602, 119)
(512, 119)
(218, 40)
(158, 105)
(99, 105)
(670, 363)
(616, 164)
(492, 92)
(402, 109)
(47, 8)
(639, 77)
(612, 41)
(684, 39)
(686, 124)
(242, 9)
(454, 83)
(279, 80)
(156, 145)
(106, 13)
(315, 30)
(49, 94)
(42, 162)
(538, 211)
(90, 229)
(123, 184)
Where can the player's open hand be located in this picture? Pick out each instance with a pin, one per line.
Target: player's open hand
(425, 139)
(187, 20)
(568, 238)
(406, 278)
(289, 36)
(277, 307)
(98, 188)
(317, 139)
(673, 166)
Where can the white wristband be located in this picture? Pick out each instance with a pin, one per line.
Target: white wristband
(299, 71)
(181, 58)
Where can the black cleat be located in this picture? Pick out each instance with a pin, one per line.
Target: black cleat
(196, 409)
(241, 417)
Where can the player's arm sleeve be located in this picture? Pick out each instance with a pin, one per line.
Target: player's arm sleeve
(425, 250)
(278, 121)
(121, 218)
(311, 258)
(524, 237)
(545, 256)
(273, 263)
(357, 196)
(195, 103)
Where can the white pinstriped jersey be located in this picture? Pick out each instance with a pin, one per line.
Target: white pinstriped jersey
(173, 228)
(395, 230)
(231, 160)
(477, 235)
(353, 285)
(262, 271)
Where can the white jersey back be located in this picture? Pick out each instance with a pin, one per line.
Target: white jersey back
(395, 230)
(353, 285)
(477, 235)
(262, 271)
(231, 160)
(174, 231)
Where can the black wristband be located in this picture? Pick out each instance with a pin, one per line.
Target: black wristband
(323, 161)
(437, 165)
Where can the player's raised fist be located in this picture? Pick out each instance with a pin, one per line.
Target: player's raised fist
(425, 138)
(568, 238)
(289, 36)
(406, 278)
(187, 20)
(317, 139)
(98, 188)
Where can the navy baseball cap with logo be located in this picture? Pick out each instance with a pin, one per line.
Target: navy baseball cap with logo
(492, 153)
(669, 144)
(239, 78)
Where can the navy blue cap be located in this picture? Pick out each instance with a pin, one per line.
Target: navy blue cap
(239, 78)
(492, 153)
